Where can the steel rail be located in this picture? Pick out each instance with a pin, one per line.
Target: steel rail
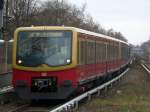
(74, 102)
(6, 89)
(146, 68)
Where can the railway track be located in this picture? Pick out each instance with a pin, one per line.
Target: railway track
(42, 106)
(73, 103)
(146, 67)
(5, 83)
(5, 79)
(6, 89)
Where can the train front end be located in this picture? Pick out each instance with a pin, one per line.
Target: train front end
(44, 62)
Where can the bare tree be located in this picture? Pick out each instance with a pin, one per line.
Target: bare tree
(55, 13)
(22, 11)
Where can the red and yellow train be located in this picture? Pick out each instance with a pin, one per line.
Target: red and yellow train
(55, 62)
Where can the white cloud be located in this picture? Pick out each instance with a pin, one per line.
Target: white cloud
(135, 30)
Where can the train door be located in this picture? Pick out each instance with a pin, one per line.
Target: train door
(90, 56)
(108, 56)
(100, 56)
(81, 57)
(104, 58)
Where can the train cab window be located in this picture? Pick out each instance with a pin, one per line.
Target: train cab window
(52, 48)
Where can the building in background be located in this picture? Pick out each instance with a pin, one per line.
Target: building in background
(5, 45)
(6, 7)
(137, 51)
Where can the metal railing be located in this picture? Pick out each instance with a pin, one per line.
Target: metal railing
(5, 57)
(146, 68)
(74, 102)
(6, 89)
(5, 79)
(5, 73)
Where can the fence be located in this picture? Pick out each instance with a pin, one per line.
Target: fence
(5, 57)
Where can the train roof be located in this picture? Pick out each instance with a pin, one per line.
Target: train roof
(100, 35)
(74, 28)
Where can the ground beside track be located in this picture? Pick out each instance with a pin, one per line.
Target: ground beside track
(131, 95)
(10, 105)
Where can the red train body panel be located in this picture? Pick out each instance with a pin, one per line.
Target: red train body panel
(61, 76)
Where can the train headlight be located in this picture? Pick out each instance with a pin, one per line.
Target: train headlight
(68, 60)
(19, 61)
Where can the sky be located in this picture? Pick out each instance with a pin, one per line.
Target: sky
(130, 17)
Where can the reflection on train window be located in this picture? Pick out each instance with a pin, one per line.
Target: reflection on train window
(52, 48)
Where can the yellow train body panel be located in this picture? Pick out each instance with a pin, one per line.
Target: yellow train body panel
(47, 68)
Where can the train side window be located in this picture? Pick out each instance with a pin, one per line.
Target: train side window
(81, 52)
(112, 51)
(89, 55)
(122, 52)
(88, 52)
(99, 59)
(108, 52)
(91, 52)
(116, 53)
(103, 52)
(116, 47)
(84, 49)
(97, 52)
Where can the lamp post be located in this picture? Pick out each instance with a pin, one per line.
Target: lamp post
(6, 52)
(1, 12)
(1, 19)
(149, 54)
(1, 16)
